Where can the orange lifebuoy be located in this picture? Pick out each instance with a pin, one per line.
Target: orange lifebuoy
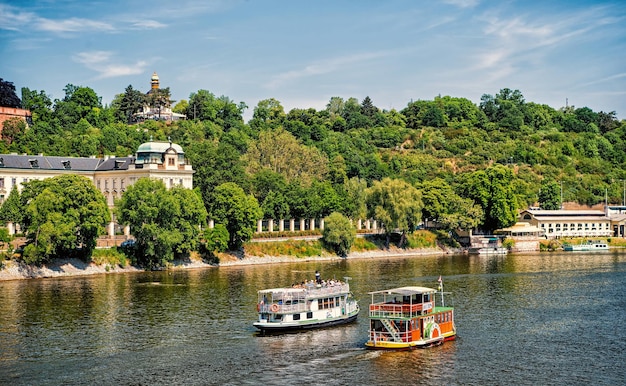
(274, 307)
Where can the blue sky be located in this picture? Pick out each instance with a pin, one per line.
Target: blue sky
(303, 53)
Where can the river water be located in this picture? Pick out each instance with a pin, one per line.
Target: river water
(527, 319)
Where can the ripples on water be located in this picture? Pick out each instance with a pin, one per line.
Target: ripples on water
(522, 319)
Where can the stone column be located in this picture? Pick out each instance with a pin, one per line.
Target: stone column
(312, 224)
(281, 225)
(270, 225)
(211, 224)
(259, 226)
(127, 231)
(292, 225)
(359, 224)
(11, 228)
(367, 224)
(322, 224)
(375, 225)
(301, 224)
(111, 229)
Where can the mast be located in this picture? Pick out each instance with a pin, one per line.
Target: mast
(441, 290)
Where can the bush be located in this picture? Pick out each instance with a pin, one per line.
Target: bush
(338, 234)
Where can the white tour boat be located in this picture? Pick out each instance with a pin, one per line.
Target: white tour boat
(304, 306)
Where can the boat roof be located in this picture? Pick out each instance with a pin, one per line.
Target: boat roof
(285, 289)
(405, 291)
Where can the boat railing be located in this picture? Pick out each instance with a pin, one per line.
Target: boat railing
(394, 310)
(282, 308)
(386, 336)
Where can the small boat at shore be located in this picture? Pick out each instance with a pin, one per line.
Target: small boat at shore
(313, 304)
(488, 251)
(586, 246)
(407, 317)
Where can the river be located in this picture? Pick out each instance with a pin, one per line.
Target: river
(523, 319)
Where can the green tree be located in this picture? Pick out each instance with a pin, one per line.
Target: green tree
(11, 211)
(397, 205)
(216, 239)
(339, 233)
(63, 217)
(38, 103)
(237, 211)
(550, 195)
(165, 223)
(127, 104)
(492, 189)
(279, 151)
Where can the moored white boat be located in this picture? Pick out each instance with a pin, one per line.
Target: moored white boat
(586, 246)
(407, 317)
(305, 306)
(488, 251)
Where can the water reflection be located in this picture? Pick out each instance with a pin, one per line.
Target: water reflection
(521, 319)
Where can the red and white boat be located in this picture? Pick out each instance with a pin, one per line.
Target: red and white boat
(407, 317)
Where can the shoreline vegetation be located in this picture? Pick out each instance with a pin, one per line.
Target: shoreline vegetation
(255, 252)
(111, 260)
(16, 270)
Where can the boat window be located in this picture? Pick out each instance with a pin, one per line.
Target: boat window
(309, 315)
(296, 316)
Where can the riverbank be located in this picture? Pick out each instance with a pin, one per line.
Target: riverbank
(15, 270)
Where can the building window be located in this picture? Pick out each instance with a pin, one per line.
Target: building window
(13, 181)
(171, 161)
(2, 183)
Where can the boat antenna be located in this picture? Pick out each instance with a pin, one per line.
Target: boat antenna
(441, 290)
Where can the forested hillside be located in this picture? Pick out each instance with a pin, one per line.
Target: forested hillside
(469, 162)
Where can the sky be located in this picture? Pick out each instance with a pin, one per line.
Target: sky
(302, 53)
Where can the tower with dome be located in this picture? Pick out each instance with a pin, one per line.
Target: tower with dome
(158, 104)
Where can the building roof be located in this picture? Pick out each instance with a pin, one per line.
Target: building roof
(564, 213)
(41, 162)
(159, 147)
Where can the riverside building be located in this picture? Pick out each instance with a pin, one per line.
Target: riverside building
(111, 175)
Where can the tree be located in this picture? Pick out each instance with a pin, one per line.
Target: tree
(279, 151)
(165, 223)
(338, 234)
(216, 239)
(63, 216)
(237, 211)
(38, 103)
(159, 98)
(13, 130)
(397, 204)
(550, 195)
(11, 210)
(129, 103)
(8, 97)
(492, 189)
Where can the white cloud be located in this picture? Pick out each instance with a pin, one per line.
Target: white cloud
(102, 63)
(71, 25)
(12, 19)
(147, 24)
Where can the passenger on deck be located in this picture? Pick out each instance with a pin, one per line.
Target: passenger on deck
(318, 277)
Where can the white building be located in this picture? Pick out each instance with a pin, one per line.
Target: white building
(569, 223)
(111, 175)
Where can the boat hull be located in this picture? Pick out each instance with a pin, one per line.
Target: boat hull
(271, 327)
(384, 345)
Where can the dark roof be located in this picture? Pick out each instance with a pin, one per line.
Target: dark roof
(14, 161)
